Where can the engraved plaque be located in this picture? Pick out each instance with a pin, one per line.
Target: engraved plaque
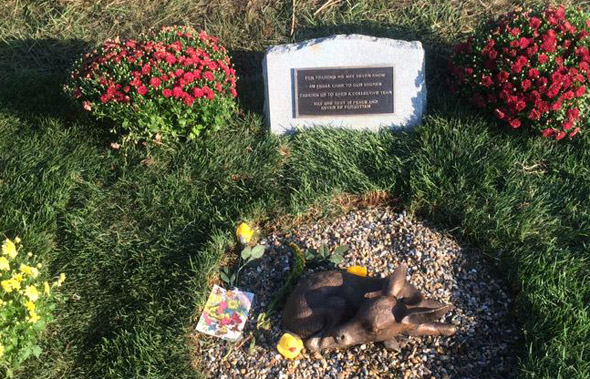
(343, 91)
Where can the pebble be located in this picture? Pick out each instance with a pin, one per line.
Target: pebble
(381, 239)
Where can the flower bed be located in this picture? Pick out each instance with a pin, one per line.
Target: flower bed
(26, 303)
(173, 83)
(530, 68)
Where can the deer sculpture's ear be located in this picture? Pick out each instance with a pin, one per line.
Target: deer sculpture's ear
(395, 284)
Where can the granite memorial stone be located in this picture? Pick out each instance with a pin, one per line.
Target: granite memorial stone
(351, 81)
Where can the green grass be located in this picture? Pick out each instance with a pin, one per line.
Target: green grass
(140, 232)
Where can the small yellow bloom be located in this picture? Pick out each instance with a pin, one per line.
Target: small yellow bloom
(9, 248)
(17, 240)
(32, 293)
(4, 264)
(33, 317)
(46, 288)
(28, 270)
(17, 278)
(244, 233)
(39, 265)
(1, 350)
(7, 285)
(30, 306)
(61, 280)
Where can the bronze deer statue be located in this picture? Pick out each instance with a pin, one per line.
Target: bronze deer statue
(336, 309)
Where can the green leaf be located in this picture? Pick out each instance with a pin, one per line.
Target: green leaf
(258, 251)
(341, 250)
(224, 277)
(324, 251)
(36, 350)
(336, 259)
(246, 253)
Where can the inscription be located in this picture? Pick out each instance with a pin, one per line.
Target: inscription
(343, 91)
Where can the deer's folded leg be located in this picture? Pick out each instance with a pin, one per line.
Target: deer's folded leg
(433, 329)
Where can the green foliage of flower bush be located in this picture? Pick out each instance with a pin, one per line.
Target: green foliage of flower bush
(26, 304)
(530, 68)
(172, 83)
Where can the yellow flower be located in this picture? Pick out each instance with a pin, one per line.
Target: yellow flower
(7, 285)
(61, 280)
(9, 248)
(30, 306)
(4, 264)
(33, 317)
(244, 233)
(1, 350)
(46, 288)
(32, 293)
(17, 278)
(28, 270)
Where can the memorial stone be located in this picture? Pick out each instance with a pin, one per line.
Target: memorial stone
(349, 81)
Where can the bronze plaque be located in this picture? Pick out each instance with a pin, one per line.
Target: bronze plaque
(343, 91)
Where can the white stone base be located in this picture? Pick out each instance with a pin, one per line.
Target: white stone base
(336, 51)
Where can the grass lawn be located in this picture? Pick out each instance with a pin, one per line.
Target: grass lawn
(140, 232)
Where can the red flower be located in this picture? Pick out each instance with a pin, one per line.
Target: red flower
(234, 93)
(486, 81)
(515, 31)
(499, 114)
(198, 92)
(104, 98)
(535, 22)
(146, 69)
(189, 100)
(542, 58)
(535, 114)
(580, 91)
(209, 76)
(574, 132)
(155, 82)
(573, 114)
(515, 123)
(560, 136)
(533, 73)
(549, 41)
(526, 84)
(142, 90)
(177, 92)
(188, 76)
(548, 132)
(87, 105)
(167, 92)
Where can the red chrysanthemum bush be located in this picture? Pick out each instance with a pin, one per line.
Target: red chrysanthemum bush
(530, 68)
(172, 83)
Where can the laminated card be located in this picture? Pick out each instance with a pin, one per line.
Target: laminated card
(225, 313)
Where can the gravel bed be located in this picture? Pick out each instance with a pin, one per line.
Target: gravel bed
(380, 239)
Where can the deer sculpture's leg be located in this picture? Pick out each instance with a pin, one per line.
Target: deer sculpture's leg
(433, 329)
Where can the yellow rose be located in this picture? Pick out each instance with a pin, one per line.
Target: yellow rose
(7, 285)
(244, 233)
(9, 248)
(46, 288)
(32, 293)
(4, 264)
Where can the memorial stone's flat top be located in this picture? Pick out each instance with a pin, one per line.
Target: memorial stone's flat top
(350, 81)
